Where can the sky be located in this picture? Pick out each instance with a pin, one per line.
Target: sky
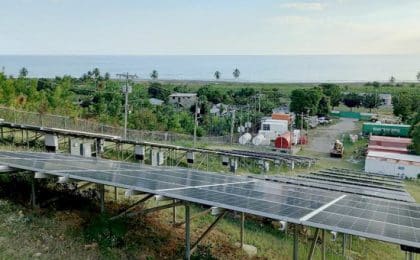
(209, 27)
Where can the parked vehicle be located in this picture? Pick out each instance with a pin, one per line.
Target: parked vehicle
(338, 149)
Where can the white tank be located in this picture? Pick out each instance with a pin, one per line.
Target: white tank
(258, 139)
(245, 138)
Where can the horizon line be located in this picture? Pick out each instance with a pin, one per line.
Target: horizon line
(192, 54)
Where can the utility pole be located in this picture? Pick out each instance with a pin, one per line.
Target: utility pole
(195, 122)
(232, 126)
(126, 90)
(301, 128)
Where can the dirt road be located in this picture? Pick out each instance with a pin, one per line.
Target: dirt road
(321, 139)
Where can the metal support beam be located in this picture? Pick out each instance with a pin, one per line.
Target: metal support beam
(33, 196)
(187, 233)
(132, 206)
(174, 214)
(410, 256)
(350, 240)
(323, 245)
(84, 185)
(102, 197)
(296, 243)
(344, 245)
(242, 229)
(151, 210)
(208, 230)
(194, 216)
(312, 249)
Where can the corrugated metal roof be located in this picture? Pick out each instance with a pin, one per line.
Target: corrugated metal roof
(387, 149)
(395, 156)
(390, 139)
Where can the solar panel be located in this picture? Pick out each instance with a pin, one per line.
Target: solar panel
(371, 174)
(347, 188)
(338, 180)
(179, 183)
(364, 175)
(387, 221)
(395, 222)
(358, 178)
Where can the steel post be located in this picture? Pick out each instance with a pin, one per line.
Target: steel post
(312, 249)
(33, 199)
(411, 256)
(187, 232)
(242, 228)
(296, 243)
(344, 244)
(323, 245)
(102, 197)
(174, 214)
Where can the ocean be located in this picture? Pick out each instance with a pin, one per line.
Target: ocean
(269, 68)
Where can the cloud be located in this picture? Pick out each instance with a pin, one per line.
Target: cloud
(313, 6)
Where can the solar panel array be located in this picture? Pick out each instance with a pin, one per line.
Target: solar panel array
(345, 181)
(365, 179)
(367, 174)
(395, 222)
(281, 157)
(342, 187)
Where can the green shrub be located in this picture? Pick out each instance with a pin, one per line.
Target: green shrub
(105, 232)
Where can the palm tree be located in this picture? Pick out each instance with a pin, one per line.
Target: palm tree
(217, 74)
(392, 80)
(154, 75)
(23, 72)
(236, 73)
(96, 73)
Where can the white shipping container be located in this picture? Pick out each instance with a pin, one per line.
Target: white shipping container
(401, 165)
(272, 128)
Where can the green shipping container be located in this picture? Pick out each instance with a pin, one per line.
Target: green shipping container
(386, 129)
(367, 116)
(350, 114)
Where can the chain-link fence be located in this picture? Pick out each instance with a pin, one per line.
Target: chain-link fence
(77, 124)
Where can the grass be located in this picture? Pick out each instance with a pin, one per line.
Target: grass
(413, 187)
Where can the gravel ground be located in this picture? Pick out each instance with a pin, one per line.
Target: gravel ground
(321, 139)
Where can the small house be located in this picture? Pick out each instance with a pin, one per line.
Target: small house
(185, 100)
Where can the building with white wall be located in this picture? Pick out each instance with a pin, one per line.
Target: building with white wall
(386, 99)
(402, 165)
(185, 100)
